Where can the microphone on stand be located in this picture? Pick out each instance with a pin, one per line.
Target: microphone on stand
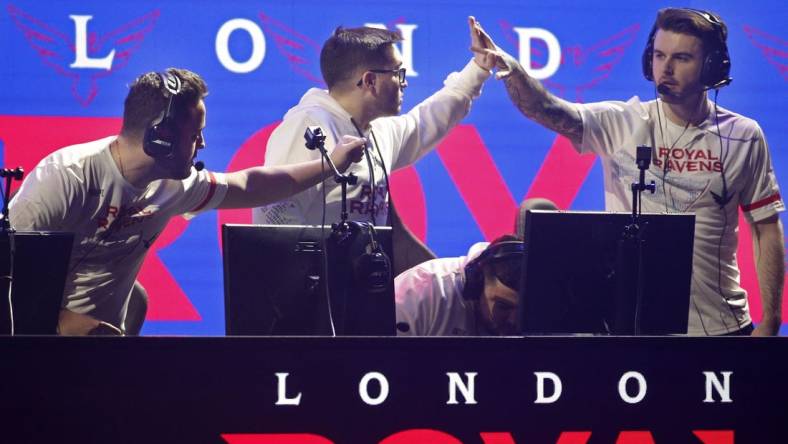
(199, 165)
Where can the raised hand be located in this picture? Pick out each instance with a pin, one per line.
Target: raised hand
(482, 46)
(487, 54)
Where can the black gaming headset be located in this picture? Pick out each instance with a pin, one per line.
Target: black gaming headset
(161, 136)
(716, 65)
(371, 269)
(474, 270)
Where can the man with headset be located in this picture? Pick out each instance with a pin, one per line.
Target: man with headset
(706, 160)
(471, 295)
(366, 82)
(118, 193)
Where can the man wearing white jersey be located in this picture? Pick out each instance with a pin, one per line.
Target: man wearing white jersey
(706, 160)
(117, 194)
(471, 295)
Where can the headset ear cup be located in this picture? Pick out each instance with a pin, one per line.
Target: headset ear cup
(648, 56)
(474, 281)
(374, 270)
(159, 141)
(161, 136)
(716, 67)
(647, 66)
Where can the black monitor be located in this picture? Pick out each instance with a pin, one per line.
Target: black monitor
(274, 282)
(41, 261)
(578, 277)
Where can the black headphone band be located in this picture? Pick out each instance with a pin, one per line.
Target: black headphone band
(500, 251)
(170, 88)
(161, 135)
(720, 42)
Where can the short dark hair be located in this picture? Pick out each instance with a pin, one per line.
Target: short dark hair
(146, 99)
(694, 22)
(349, 49)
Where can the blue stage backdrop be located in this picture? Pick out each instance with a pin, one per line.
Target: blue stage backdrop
(66, 66)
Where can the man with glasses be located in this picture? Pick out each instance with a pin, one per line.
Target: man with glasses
(366, 82)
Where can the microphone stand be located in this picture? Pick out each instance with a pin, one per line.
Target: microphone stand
(342, 234)
(9, 175)
(7, 237)
(315, 140)
(631, 244)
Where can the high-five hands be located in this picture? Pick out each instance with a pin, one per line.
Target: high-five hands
(487, 54)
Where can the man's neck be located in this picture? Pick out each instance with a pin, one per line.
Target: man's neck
(137, 168)
(354, 106)
(693, 111)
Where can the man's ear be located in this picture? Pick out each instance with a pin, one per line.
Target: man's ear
(368, 80)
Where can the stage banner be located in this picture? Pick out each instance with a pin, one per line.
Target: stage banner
(562, 390)
(67, 66)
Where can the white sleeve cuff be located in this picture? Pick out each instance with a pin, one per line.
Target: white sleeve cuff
(469, 80)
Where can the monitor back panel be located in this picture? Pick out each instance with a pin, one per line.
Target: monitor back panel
(275, 284)
(575, 266)
(41, 261)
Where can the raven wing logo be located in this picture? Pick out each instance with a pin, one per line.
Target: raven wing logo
(57, 50)
(300, 51)
(583, 67)
(772, 47)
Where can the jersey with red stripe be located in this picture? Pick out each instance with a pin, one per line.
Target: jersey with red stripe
(696, 170)
(80, 189)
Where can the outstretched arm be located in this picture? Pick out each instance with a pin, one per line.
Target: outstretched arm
(528, 94)
(254, 187)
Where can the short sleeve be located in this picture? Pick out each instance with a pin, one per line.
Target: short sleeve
(203, 190)
(609, 125)
(760, 197)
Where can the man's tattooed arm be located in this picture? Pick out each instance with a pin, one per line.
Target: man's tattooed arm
(538, 104)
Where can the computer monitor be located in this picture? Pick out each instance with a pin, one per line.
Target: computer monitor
(274, 281)
(578, 277)
(41, 261)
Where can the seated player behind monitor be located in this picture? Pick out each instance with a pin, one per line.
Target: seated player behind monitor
(472, 295)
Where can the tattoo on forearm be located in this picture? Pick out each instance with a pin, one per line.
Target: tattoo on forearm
(533, 100)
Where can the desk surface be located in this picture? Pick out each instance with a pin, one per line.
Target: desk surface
(370, 390)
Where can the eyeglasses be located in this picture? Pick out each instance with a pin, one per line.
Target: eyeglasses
(400, 72)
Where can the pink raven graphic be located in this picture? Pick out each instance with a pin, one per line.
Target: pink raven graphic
(57, 50)
(595, 62)
(772, 47)
(301, 52)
